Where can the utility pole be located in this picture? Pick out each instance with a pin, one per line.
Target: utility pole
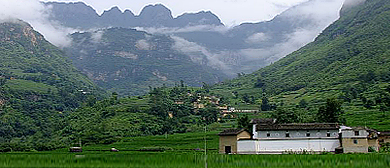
(205, 146)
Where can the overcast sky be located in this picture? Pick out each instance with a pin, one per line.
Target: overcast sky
(231, 12)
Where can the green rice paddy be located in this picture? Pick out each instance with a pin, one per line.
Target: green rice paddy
(182, 151)
(190, 160)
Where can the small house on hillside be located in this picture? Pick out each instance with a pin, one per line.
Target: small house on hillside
(228, 140)
(358, 139)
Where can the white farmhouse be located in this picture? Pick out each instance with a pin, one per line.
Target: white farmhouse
(272, 138)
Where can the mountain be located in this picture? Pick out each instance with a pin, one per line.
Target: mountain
(349, 61)
(155, 16)
(200, 18)
(199, 37)
(129, 62)
(250, 46)
(81, 16)
(75, 15)
(115, 17)
(243, 48)
(38, 87)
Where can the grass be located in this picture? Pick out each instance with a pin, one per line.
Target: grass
(187, 142)
(26, 85)
(191, 160)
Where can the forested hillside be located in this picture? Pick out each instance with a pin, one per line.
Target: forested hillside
(163, 111)
(349, 61)
(129, 62)
(38, 87)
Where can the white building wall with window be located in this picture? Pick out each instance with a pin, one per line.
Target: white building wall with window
(282, 138)
(296, 134)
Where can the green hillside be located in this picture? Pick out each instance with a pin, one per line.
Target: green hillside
(38, 86)
(350, 61)
(129, 62)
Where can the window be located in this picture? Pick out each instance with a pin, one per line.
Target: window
(355, 141)
(308, 134)
(268, 134)
(287, 134)
(356, 133)
(328, 134)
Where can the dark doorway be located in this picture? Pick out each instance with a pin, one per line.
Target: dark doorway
(228, 149)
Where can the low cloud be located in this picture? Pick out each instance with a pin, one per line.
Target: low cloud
(143, 45)
(168, 30)
(316, 16)
(97, 36)
(257, 38)
(36, 14)
(321, 13)
(256, 58)
(198, 53)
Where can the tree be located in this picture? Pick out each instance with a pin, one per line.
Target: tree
(244, 122)
(283, 115)
(206, 87)
(302, 104)
(259, 83)
(245, 98)
(2, 81)
(331, 112)
(265, 104)
(209, 114)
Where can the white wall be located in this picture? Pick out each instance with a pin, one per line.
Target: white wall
(280, 146)
(316, 145)
(246, 146)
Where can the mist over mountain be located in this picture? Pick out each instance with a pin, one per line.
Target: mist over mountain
(243, 48)
(198, 38)
(130, 62)
(349, 62)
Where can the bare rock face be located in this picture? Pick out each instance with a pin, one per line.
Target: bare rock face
(156, 16)
(196, 19)
(116, 18)
(75, 15)
(81, 16)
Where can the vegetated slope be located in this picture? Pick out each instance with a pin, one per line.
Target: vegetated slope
(163, 111)
(349, 60)
(235, 49)
(130, 62)
(37, 86)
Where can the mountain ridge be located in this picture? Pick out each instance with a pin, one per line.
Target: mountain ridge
(151, 16)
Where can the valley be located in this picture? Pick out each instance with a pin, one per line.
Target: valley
(160, 88)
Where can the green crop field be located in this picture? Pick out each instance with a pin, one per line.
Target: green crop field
(180, 150)
(195, 159)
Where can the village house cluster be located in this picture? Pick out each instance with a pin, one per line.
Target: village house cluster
(270, 137)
